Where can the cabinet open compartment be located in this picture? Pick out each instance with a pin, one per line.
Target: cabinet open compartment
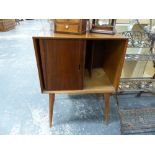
(103, 62)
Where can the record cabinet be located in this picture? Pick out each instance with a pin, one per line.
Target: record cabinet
(87, 63)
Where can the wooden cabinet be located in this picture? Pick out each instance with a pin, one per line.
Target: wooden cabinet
(88, 63)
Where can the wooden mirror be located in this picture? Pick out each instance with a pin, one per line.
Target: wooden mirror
(106, 26)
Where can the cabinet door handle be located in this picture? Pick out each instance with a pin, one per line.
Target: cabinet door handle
(79, 67)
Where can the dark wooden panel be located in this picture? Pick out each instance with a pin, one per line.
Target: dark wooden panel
(89, 56)
(99, 50)
(39, 62)
(96, 54)
(62, 63)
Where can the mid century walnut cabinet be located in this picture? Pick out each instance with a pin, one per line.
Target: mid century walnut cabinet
(88, 63)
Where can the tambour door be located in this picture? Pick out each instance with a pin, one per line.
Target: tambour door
(62, 63)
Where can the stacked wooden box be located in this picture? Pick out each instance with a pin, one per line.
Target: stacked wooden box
(7, 24)
(72, 26)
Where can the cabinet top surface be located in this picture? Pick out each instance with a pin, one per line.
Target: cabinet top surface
(51, 35)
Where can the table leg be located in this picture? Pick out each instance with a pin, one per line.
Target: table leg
(51, 105)
(107, 105)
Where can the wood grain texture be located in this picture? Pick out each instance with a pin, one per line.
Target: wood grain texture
(39, 63)
(107, 106)
(72, 21)
(114, 59)
(62, 62)
(89, 56)
(51, 106)
(97, 83)
(71, 26)
(66, 28)
(87, 36)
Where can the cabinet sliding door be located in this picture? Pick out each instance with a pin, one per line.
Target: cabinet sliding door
(62, 63)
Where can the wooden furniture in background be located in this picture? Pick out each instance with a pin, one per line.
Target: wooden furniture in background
(74, 26)
(88, 63)
(7, 24)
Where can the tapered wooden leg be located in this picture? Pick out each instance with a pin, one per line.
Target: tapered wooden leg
(107, 106)
(51, 105)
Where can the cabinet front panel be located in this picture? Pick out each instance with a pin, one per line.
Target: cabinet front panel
(62, 63)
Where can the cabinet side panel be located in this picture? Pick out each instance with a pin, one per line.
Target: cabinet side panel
(39, 62)
(115, 56)
(43, 59)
